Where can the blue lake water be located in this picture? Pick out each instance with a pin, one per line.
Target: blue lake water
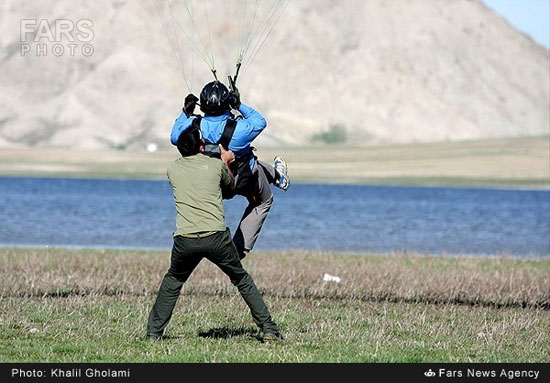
(120, 213)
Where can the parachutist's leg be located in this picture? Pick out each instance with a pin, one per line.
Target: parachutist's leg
(270, 171)
(259, 204)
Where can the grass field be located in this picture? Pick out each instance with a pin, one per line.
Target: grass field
(517, 162)
(82, 305)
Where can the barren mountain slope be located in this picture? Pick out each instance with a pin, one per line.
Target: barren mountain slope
(385, 71)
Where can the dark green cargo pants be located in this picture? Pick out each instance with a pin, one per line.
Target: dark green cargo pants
(186, 255)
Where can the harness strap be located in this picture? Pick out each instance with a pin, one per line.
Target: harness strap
(245, 180)
(227, 134)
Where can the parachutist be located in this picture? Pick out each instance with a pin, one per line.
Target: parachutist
(218, 126)
(252, 176)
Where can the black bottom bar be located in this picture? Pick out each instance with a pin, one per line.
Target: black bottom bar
(391, 372)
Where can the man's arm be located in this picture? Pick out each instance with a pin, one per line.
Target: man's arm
(227, 157)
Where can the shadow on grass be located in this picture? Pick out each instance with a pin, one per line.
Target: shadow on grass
(226, 332)
(461, 300)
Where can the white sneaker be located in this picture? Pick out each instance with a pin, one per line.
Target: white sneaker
(283, 182)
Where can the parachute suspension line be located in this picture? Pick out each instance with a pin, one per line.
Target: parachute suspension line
(282, 7)
(264, 28)
(184, 22)
(210, 42)
(256, 28)
(242, 32)
(278, 10)
(208, 59)
(247, 25)
(172, 28)
(250, 30)
(173, 46)
(179, 57)
(253, 29)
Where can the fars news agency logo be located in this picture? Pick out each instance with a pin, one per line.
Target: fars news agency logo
(429, 373)
(60, 37)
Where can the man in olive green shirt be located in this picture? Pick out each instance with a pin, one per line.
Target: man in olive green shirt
(197, 182)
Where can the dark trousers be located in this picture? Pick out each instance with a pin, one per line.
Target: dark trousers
(186, 255)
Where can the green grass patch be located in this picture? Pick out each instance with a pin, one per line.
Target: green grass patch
(67, 305)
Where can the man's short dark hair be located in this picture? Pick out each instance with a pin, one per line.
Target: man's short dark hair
(189, 142)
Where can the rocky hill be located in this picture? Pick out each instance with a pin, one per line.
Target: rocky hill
(372, 71)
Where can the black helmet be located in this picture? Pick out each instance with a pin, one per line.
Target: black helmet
(215, 99)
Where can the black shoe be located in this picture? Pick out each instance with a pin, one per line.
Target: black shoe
(154, 337)
(243, 253)
(272, 336)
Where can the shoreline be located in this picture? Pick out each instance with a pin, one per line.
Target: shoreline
(513, 163)
(462, 183)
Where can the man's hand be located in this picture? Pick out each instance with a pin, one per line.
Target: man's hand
(227, 156)
(235, 98)
(189, 104)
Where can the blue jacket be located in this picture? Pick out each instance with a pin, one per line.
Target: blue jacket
(247, 129)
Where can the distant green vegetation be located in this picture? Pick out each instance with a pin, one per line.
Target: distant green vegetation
(336, 134)
(65, 305)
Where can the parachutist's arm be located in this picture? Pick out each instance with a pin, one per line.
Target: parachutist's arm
(248, 128)
(182, 122)
(256, 122)
(189, 104)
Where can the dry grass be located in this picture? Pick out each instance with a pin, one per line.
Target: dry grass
(499, 162)
(498, 282)
(67, 305)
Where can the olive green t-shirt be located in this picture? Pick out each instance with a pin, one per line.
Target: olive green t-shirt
(196, 182)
